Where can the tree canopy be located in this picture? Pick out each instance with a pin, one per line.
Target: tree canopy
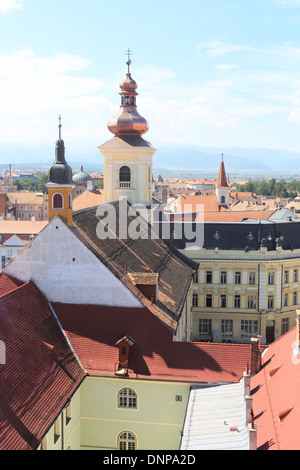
(271, 187)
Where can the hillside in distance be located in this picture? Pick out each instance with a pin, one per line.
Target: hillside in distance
(236, 159)
(168, 157)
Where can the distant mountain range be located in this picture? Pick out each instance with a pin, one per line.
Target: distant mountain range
(171, 158)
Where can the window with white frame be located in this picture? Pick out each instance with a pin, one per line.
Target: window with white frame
(208, 300)
(223, 301)
(271, 278)
(127, 398)
(195, 300)
(237, 277)
(295, 275)
(204, 327)
(237, 301)
(126, 441)
(285, 299)
(270, 301)
(284, 325)
(223, 277)
(295, 298)
(249, 328)
(226, 328)
(251, 301)
(286, 277)
(252, 278)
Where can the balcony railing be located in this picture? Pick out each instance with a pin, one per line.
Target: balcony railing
(125, 184)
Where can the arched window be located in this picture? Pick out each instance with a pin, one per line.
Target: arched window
(222, 199)
(127, 398)
(126, 441)
(125, 174)
(57, 201)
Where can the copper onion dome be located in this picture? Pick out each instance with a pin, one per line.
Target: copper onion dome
(128, 121)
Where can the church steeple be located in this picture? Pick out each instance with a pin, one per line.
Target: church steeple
(222, 187)
(222, 179)
(60, 183)
(127, 167)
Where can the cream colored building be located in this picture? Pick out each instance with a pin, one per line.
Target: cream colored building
(243, 293)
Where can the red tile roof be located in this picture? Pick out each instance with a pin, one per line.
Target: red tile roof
(191, 203)
(222, 180)
(276, 396)
(94, 330)
(34, 383)
(235, 216)
(8, 283)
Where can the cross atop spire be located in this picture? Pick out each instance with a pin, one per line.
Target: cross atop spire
(128, 53)
(59, 126)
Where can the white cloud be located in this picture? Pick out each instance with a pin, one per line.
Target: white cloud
(225, 67)
(288, 3)
(218, 48)
(6, 6)
(34, 90)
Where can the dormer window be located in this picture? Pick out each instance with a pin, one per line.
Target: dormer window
(124, 344)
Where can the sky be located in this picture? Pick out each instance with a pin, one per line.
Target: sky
(217, 73)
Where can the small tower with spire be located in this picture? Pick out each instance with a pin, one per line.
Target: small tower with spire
(128, 156)
(222, 187)
(60, 184)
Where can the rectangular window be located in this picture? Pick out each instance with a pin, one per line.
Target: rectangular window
(68, 413)
(204, 327)
(195, 278)
(252, 278)
(223, 277)
(285, 300)
(252, 301)
(286, 277)
(237, 277)
(226, 327)
(223, 301)
(284, 325)
(270, 301)
(208, 277)
(295, 298)
(249, 328)
(295, 275)
(57, 429)
(271, 278)
(237, 301)
(195, 300)
(208, 300)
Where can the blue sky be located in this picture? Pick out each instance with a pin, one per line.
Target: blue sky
(218, 73)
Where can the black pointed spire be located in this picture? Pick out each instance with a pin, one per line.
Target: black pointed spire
(60, 172)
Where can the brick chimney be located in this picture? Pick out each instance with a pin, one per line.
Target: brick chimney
(255, 360)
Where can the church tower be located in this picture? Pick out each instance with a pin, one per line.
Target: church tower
(60, 184)
(127, 156)
(222, 188)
